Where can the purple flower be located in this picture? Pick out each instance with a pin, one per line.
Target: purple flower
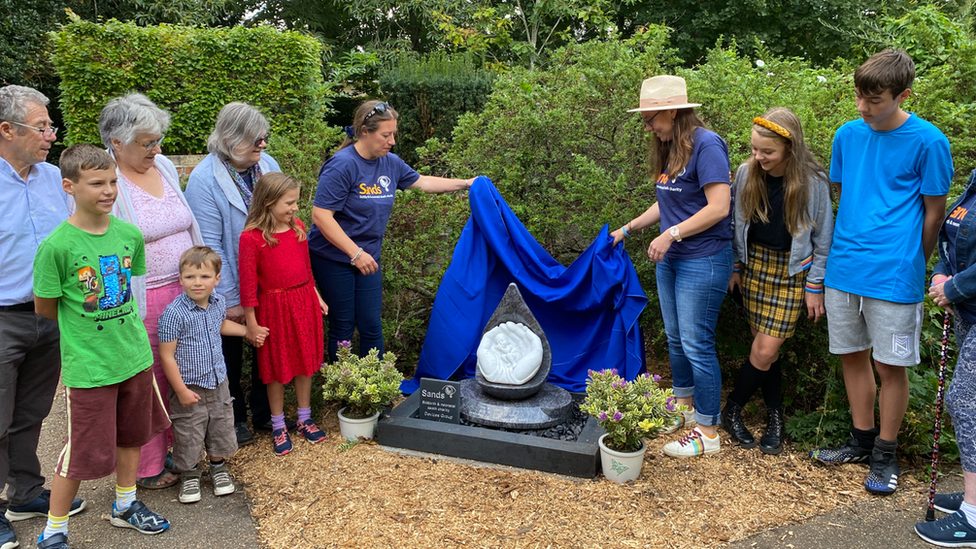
(617, 416)
(670, 406)
(646, 375)
(345, 344)
(603, 416)
(346, 372)
(647, 395)
(657, 378)
(614, 371)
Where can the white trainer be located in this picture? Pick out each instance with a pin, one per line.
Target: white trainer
(694, 444)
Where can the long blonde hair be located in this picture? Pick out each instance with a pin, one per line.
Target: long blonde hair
(801, 167)
(675, 153)
(267, 192)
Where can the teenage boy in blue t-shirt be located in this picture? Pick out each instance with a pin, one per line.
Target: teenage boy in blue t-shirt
(892, 171)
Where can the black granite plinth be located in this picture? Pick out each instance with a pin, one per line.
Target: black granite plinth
(550, 406)
(400, 428)
(512, 308)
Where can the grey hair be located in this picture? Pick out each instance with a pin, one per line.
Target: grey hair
(15, 100)
(123, 117)
(237, 123)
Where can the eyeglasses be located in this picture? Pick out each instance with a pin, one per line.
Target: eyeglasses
(379, 108)
(264, 138)
(44, 131)
(647, 121)
(151, 145)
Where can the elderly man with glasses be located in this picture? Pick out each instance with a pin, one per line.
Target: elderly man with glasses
(32, 204)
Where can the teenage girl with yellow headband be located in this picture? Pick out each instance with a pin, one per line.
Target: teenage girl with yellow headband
(783, 228)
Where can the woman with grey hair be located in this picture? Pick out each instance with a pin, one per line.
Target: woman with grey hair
(132, 128)
(219, 193)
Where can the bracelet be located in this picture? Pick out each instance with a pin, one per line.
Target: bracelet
(624, 229)
(359, 253)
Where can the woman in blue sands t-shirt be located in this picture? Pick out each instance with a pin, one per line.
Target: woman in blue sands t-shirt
(352, 205)
(693, 254)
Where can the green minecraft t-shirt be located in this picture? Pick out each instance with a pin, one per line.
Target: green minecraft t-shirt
(103, 340)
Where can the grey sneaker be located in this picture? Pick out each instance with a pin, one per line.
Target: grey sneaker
(222, 484)
(190, 490)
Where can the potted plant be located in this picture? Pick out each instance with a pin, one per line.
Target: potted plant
(364, 386)
(629, 411)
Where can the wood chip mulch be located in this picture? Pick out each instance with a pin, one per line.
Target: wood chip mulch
(367, 496)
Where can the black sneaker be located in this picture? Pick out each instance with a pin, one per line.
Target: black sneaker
(849, 452)
(40, 507)
(949, 531)
(7, 537)
(883, 478)
(948, 503)
(244, 436)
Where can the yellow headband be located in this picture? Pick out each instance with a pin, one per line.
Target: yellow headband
(771, 126)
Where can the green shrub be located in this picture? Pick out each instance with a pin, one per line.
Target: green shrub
(191, 72)
(430, 93)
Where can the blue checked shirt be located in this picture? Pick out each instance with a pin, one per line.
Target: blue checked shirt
(196, 331)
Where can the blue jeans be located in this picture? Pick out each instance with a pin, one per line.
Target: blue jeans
(691, 293)
(355, 301)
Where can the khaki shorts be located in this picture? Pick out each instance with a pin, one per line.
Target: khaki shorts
(207, 424)
(856, 323)
(127, 414)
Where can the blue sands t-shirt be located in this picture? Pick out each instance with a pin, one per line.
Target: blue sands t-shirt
(361, 193)
(683, 196)
(877, 248)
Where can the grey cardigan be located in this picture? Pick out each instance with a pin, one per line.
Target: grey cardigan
(217, 204)
(809, 250)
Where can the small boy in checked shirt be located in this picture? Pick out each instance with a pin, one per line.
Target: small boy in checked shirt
(201, 407)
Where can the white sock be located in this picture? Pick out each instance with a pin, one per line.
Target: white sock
(968, 511)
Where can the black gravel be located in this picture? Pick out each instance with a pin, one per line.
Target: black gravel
(569, 430)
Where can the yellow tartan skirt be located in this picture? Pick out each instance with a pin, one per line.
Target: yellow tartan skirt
(772, 298)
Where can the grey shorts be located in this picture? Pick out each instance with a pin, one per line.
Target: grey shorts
(856, 323)
(207, 424)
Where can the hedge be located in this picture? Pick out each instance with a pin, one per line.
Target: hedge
(430, 93)
(191, 72)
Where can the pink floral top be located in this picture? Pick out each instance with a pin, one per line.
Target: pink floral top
(165, 224)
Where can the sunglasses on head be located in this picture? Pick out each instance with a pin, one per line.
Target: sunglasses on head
(379, 108)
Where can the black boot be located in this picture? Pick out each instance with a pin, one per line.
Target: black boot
(732, 422)
(772, 440)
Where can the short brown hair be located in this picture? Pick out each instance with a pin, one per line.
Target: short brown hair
(891, 70)
(83, 156)
(200, 256)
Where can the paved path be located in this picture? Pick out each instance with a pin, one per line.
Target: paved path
(212, 523)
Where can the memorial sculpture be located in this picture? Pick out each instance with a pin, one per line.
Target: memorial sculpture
(509, 389)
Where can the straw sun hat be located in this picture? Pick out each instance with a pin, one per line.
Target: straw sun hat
(664, 92)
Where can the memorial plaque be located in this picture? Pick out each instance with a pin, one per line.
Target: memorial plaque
(440, 400)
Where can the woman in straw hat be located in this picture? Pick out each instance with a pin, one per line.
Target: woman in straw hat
(784, 225)
(693, 253)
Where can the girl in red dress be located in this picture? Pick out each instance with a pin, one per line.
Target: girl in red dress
(278, 293)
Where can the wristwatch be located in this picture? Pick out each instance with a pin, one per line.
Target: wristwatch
(675, 233)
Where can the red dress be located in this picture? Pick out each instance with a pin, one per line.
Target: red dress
(278, 282)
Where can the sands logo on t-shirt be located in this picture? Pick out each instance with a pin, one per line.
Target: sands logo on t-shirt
(663, 182)
(957, 216)
(380, 190)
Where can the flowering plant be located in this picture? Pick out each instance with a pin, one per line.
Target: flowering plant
(364, 385)
(629, 411)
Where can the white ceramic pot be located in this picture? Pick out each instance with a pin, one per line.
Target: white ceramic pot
(621, 466)
(352, 429)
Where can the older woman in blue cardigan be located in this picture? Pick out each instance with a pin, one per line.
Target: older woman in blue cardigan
(219, 193)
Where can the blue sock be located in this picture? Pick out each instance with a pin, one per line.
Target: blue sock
(278, 422)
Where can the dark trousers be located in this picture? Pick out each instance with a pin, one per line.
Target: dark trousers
(30, 364)
(355, 302)
(234, 358)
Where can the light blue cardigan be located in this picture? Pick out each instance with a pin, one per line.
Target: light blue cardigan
(217, 204)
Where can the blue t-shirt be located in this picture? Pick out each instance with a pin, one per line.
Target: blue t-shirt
(361, 194)
(951, 227)
(877, 248)
(683, 196)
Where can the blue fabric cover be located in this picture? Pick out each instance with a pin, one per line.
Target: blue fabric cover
(588, 311)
